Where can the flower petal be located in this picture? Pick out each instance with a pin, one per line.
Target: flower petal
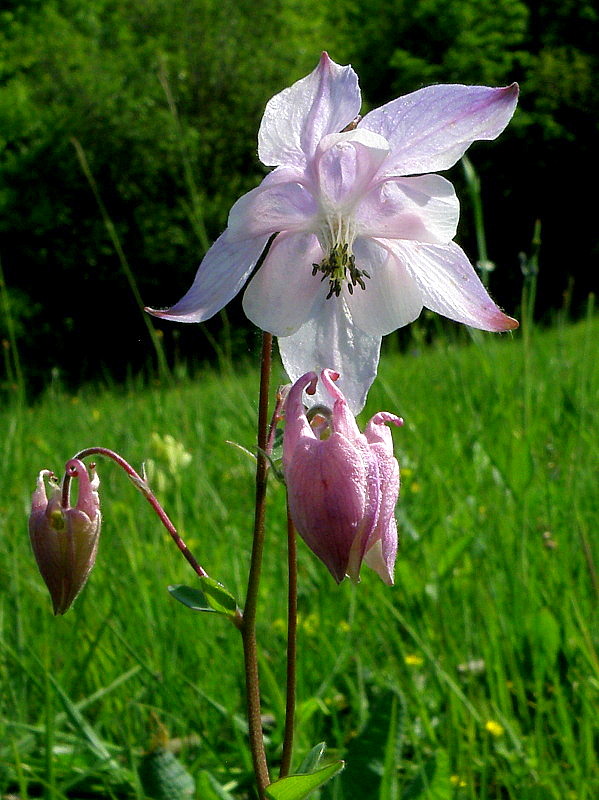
(281, 294)
(273, 207)
(332, 499)
(391, 298)
(430, 129)
(343, 421)
(297, 118)
(449, 285)
(382, 554)
(222, 273)
(346, 163)
(423, 208)
(382, 545)
(329, 339)
(297, 427)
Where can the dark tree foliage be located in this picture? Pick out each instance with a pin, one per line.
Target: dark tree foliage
(165, 99)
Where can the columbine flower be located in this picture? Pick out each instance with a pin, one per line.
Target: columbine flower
(65, 539)
(342, 485)
(361, 248)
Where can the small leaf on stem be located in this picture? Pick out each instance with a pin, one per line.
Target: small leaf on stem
(212, 596)
(313, 759)
(298, 787)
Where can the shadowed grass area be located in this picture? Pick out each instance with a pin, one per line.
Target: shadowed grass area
(476, 676)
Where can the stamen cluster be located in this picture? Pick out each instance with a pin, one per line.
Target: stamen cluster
(339, 266)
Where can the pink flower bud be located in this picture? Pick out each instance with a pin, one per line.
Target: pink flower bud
(342, 485)
(65, 539)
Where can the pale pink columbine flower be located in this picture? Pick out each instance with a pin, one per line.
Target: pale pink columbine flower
(342, 485)
(361, 247)
(64, 539)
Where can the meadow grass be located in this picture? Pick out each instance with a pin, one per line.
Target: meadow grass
(476, 676)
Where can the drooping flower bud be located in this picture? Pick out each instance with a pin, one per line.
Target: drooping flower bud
(64, 538)
(342, 485)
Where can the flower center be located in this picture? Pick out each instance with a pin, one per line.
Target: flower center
(337, 237)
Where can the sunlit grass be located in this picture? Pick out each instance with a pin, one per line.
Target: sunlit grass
(486, 640)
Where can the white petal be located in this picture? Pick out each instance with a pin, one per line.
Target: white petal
(297, 118)
(450, 286)
(281, 294)
(391, 298)
(222, 273)
(423, 208)
(346, 163)
(430, 129)
(330, 340)
(271, 209)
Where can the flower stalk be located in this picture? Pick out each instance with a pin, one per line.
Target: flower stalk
(291, 649)
(144, 488)
(248, 624)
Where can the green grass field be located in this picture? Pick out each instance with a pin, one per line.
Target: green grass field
(476, 676)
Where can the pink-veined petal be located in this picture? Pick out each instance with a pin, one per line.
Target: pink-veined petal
(222, 273)
(391, 298)
(382, 554)
(345, 164)
(329, 497)
(296, 119)
(423, 208)
(343, 421)
(330, 340)
(449, 285)
(371, 511)
(382, 545)
(430, 129)
(297, 427)
(281, 294)
(271, 208)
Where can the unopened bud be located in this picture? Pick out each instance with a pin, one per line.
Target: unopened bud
(64, 538)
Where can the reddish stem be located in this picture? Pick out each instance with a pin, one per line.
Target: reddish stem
(144, 488)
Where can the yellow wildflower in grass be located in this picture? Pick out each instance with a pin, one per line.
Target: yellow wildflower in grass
(494, 728)
(412, 660)
(455, 780)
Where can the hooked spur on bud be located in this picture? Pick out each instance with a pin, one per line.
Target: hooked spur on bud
(64, 539)
(342, 485)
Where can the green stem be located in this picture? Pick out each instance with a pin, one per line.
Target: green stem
(248, 626)
(291, 648)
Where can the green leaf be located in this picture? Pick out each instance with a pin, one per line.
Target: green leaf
(164, 777)
(313, 759)
(298, 787)
(212, 596)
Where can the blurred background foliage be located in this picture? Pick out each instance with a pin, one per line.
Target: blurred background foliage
(165, 99)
